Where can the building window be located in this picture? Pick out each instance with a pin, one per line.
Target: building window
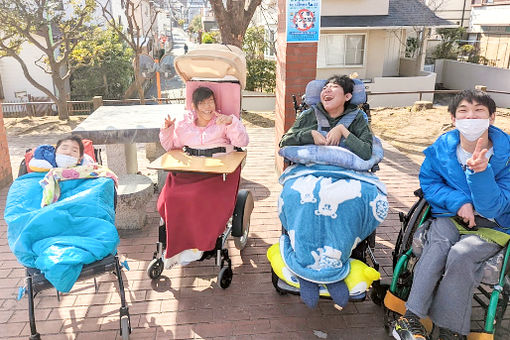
(339, 50)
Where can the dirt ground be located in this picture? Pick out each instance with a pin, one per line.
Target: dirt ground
(408, 131)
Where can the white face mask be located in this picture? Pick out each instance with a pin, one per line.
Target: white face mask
(472, 129)
(65, 161)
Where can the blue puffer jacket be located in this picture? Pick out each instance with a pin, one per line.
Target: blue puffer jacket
(447, 186)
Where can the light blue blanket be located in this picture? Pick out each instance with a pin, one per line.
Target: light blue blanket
(62, 237)
(333, 155)
(326, 211)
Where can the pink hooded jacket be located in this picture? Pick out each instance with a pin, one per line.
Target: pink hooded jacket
(185, 132)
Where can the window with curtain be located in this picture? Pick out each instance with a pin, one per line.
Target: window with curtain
(338, 50)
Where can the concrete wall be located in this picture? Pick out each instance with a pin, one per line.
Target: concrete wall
(408, 67)
(458, 75)
(5, 162)
(257, 101)
(489, 15)
(354, 7)
(13, 79)
(425, 81)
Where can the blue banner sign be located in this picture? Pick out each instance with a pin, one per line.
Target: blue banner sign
(303, 20)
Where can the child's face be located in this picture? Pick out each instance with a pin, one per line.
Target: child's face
(69, 148)
(206, 109)
(333, 97)
(474, 110)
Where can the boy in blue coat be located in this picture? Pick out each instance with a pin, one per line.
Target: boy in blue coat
(465, 177)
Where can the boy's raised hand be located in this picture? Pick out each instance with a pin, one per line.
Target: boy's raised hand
(318, 138)
(222, 119)
(478, 162)
(169, 121)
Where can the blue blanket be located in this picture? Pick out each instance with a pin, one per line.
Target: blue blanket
(326, 211)
(62, 237)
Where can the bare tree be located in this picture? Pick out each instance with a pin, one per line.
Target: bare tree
(135, 35)
(233, 18)
(54, 27)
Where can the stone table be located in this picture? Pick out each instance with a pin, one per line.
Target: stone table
(120, 128)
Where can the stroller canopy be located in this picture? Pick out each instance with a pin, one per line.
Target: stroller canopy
(212, 61)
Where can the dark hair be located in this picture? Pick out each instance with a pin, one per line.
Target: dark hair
(200, 94)
(345, 82)
(471, 96)
(76, 139)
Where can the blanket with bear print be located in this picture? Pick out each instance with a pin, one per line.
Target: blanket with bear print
(326, 211)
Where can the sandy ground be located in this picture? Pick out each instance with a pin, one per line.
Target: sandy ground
(408, 131)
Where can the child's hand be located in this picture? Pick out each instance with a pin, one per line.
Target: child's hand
(335, 134)
(478, 162)
(169, 121)
(467, 214)
(318, 138)
(222, 119)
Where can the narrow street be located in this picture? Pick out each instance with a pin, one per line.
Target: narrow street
(171, 86)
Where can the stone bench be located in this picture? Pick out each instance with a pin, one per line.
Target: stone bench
(133, 193)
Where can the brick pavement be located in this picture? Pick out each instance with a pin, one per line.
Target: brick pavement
(185, 302)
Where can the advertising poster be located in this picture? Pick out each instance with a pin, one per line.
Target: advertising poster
(303, 20)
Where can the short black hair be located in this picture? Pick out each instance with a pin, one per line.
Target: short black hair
(345, 82)
(200, 94)
(471, 96)
(76, 139)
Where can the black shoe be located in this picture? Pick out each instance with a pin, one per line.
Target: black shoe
(409, 327)
(446, 334)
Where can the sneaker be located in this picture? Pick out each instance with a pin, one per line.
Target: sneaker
(409, 327)
(446, 334)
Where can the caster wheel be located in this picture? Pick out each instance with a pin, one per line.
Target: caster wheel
(274, 279)
(125, 328)
(378, 293)
(225, 277)
(155, 268)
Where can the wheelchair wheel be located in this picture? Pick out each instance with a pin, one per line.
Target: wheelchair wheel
(409, 225)
(225, 277)
(241, 218)
(155, 268)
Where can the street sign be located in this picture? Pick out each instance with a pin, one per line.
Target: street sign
(303, 20)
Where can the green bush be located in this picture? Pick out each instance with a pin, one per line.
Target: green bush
(261, 75)
(102, 67)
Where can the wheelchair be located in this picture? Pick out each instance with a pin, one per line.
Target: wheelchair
(492, 294)
(36, 282)
(222, 68)
(364, 251)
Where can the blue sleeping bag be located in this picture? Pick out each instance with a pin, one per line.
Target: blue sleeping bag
(61, 237)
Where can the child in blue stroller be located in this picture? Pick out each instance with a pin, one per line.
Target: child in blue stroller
(329, 202)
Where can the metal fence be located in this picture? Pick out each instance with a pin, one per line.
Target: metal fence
(74, 107)
(85, 107)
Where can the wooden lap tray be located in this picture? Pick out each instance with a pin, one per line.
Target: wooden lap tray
(178, 160)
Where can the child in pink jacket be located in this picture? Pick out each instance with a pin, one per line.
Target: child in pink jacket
(203, 127)
(196, 207)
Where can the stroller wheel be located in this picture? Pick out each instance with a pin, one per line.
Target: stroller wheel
(274, 279)
(225, 277)
(155, 268)
(241, 218)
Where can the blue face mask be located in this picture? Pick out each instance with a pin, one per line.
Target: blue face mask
(65, 161)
